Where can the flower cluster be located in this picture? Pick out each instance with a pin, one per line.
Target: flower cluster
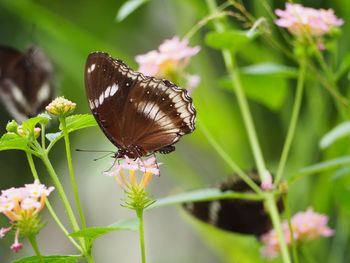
(148, 167)
(170, 59)
(302, 20)
(21, 206)
(306, 226)
(138, 196)
(61, 107)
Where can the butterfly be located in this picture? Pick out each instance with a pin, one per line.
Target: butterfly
(139, 114)
(235, 215)
(25, 81)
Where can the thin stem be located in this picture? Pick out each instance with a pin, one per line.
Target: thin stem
(34, 244)
(43, 136)
(62, 194)
(48, 205)
(71, 172)
(276, 222)
(288, 215)
(293, 122)
(228, 160)
(139, 213)
(242, 100)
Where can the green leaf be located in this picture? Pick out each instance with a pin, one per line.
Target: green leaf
(336, 133)
(267, 68)
(131, 224)
(13, 142)
(320, 167)
(232, 40)
(30, 124)
(73, 122)
(49, 259)
(268, 90)
(80, 121)
(53, 136)
(201, 195)
(128, 7)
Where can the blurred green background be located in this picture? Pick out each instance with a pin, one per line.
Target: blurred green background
(69, 30)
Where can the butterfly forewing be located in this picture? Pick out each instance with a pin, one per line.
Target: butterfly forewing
(139, 114)
(25, 81)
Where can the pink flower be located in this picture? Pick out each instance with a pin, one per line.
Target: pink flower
(16, 246)
(306, 226)
(37, 190)
(267, 183)
(301, 20)
(171, 56)
(148, 167)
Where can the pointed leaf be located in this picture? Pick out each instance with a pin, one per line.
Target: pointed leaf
(232, 40)
(80, 121)
(128, 8)
(30, 124)
(322, 166)
(49, 259)
(201, 195)
(53, 136)
(131, 224)
(13, 142)
(267, 68)
(335, 134)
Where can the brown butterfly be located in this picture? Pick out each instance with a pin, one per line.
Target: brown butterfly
(138, 114)
(25, 81)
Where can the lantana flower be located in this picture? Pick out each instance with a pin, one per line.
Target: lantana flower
(134, 190)
(300, 20)
(21, 206)
(169, 60)
(61, 107)
(306, 226)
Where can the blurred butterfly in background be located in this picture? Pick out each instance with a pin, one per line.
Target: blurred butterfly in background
(140, 115)
(25, 82)
(236, 215)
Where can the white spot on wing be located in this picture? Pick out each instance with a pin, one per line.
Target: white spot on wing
(107, 91)
(91, 104)
(102, 98)
(114, 89)
(18, 95)
(96, 103)
(91, 68)
(44, 92)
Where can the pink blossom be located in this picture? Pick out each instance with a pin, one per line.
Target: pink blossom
(300, 20)
(4, 230)
(16, 246)
(267, 181)
(193, 81)
(306, 226)
(150, 166)
(29, 203)
(14, 193)
(171, 56)
(37, 190)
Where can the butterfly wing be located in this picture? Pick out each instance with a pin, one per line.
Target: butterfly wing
(138, 114)
(25, 81)
(236, 215)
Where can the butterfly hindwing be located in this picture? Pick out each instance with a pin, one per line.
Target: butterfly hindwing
(139, 114)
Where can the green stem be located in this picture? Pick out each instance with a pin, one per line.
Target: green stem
(139, 213)
(228, 160)
(242, 100)
(288, 215)
(34, 244)
(276, 222)
(62, 194)
(43, 136)
(48, 205)
(293, 122)
(71, 172)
